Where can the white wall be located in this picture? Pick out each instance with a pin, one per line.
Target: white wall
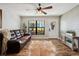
(70, 20)
(10, 17)
(48, 19)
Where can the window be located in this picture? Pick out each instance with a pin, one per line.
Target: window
(37, 27)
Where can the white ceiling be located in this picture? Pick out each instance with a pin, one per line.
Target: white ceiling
(27, 9)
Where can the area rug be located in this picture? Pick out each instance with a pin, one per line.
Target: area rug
(42, 48)
(37, 48)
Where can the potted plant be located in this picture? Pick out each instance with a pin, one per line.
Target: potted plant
(24, 28)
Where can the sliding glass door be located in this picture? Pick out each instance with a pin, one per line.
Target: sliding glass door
(40, 28)
(37, 27)
(32, 27)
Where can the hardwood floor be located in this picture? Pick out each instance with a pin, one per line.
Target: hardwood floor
(63, 50)
(45, 47)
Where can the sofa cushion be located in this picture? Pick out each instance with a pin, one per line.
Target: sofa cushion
(13, 35)
(24, 39)
(18, 34)
(22, 32)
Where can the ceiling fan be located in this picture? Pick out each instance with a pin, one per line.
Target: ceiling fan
(41, 9)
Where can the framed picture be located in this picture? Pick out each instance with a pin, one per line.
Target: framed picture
(53, 25)
(0, 18)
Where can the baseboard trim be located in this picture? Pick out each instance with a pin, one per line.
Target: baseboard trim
(53, 38)
(44, 38)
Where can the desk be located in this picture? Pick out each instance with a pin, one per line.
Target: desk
(77, 38)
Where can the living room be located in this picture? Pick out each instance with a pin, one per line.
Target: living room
(44, 27)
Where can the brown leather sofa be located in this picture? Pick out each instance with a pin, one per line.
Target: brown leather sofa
(17, 41)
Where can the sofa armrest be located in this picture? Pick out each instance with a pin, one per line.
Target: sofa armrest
(13, 46)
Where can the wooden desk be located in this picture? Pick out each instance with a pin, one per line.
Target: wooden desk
(77, 38)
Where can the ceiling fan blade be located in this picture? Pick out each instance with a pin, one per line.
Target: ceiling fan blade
(49, 7)
(43, 12)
